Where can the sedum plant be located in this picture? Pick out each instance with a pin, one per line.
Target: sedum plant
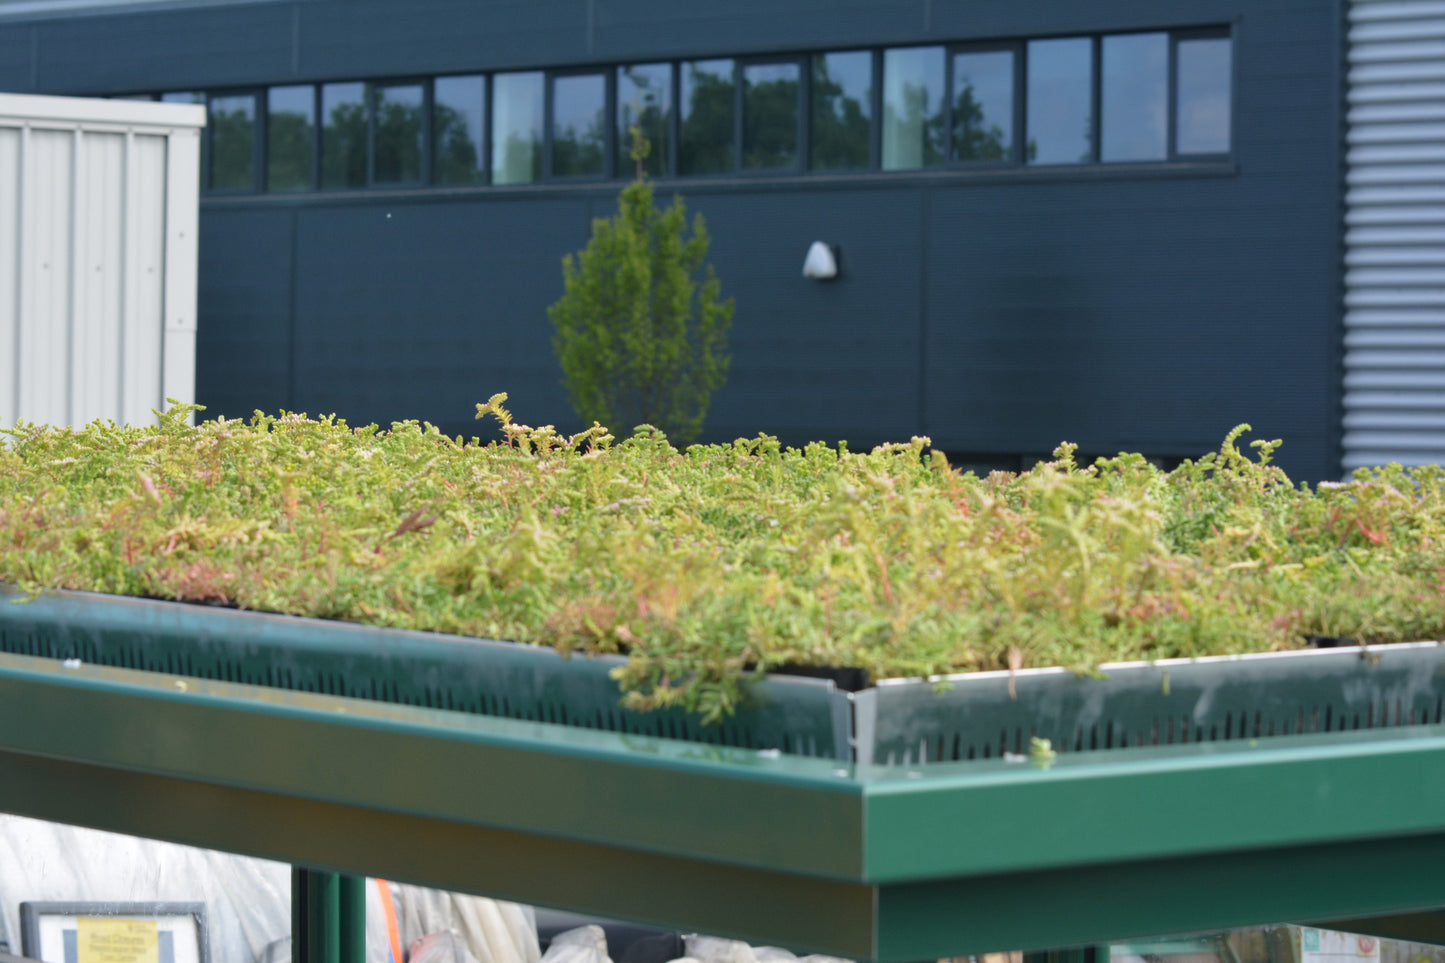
(641, 330)
(708, 565)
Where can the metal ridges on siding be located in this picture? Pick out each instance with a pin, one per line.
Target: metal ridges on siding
(98, 209)
(1394, 401)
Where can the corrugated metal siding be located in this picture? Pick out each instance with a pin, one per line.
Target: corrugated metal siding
(97, 227)
(1395, 234)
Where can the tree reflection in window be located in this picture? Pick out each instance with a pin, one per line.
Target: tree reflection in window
(644, 101)
(842, 110)
(400, 132)
(913, 108)
(458, 119)
(233, 142)
(343, 135)
(770, 117)
(983, 106)
(517, 128)
(290, 137)
(579, 125)
(707, 118)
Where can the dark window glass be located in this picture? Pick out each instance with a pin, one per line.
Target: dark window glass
(1060, 99)
(290, 137)
(517, 128)
(770, 116)
(233, 142)
(913, 103)
(183, 97)
(983, 106)
(842, 110)
(1134, 115)
(400, 111)
(579, 125)
(459, 106)
(644, 101)
(707, 117)
(343, 135)
(139, 97)
(1202, 100)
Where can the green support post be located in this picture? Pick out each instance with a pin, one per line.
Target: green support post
(328, 917)
(353, 919)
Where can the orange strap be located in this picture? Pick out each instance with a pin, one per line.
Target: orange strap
(388, 906)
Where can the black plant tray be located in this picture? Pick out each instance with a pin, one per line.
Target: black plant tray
(987, 715)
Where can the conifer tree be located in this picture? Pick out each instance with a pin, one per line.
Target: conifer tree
(641, 331)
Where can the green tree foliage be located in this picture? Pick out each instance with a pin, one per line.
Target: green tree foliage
(840, 123)
(399, 127)
(707, 121)
(343, 146)
(976, 137)
(640, 338)
(233, 132)
(770, 124)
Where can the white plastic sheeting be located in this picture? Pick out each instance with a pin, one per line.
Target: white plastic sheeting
(1395, 234)
(248, 901)
(99, 203)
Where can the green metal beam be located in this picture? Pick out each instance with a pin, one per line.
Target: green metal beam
(863, 862)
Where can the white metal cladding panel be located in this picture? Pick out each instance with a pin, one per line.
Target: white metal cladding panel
(9, 271)
(1395, 234)
(99, 200)
(98, 211)
(143, 317)
(44, 363)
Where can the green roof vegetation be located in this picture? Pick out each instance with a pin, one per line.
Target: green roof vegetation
(707, 565)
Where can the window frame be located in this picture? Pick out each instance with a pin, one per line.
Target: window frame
(609, 133)
(1015, 154)
(264, 136)
(371, 88)
(800, 133)
(1199, 33)
(484, 149)
(874, 94)
(258, 157)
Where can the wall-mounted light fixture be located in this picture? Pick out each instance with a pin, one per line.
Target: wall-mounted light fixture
(821, 263)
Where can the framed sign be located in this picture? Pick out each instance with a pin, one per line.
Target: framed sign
(114, 932)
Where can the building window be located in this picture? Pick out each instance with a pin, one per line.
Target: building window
(517, 127)
(913, 108)
(579, 125)
(708, 113)
(1135, 98)
(232, 121)
(842, 111)
(983, 106)
(644, 101)
(343, 136)
(770, 116)
(290, 138)
(1201, 95)
(183, 97)
(1060, 101)
(399, 139)
(459, 108)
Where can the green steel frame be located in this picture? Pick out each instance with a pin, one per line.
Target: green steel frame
(887, 863)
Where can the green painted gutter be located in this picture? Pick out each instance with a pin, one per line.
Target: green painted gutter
(895, 864)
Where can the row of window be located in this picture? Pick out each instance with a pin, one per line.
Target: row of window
(1136, 97)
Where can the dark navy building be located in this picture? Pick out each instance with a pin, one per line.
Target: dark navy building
(1114, 222)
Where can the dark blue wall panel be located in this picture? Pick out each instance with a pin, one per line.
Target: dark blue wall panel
(243, 348)
(421, 311)
(1000, 313)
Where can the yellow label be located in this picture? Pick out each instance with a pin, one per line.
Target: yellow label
(107, 939)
